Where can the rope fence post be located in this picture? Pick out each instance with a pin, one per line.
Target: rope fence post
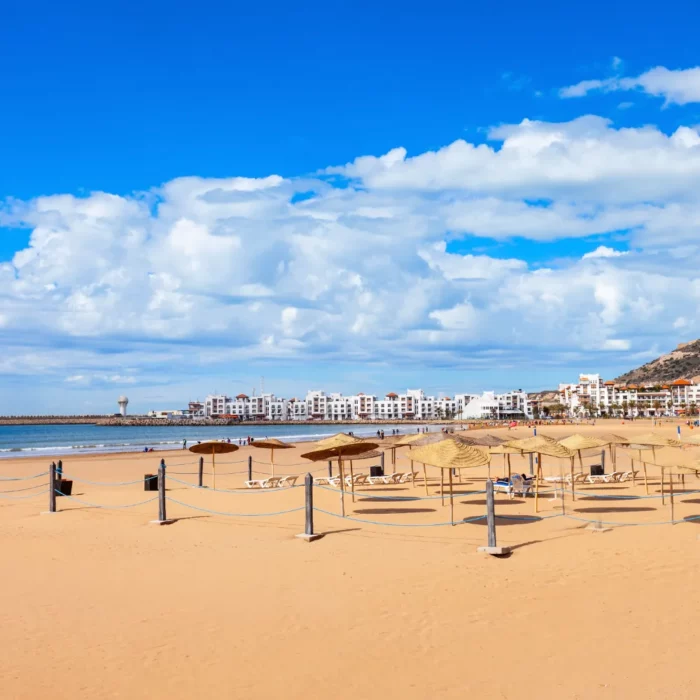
(602, 460)
(309, 535)
(492, 547)
(381, 462)
(250, 467)
(52, 489)
(162, 515)
(201, 472)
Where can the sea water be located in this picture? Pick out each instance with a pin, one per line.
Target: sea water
(49, 440)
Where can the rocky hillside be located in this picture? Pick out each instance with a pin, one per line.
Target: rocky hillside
(682, 363)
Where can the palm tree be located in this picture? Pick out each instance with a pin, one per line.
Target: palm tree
(657, 407)
(625, 406)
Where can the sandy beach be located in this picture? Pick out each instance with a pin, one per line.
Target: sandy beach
(98, 603)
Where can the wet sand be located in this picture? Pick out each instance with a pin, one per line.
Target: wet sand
(99, 603)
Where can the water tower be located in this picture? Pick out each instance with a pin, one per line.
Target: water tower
(122, 401)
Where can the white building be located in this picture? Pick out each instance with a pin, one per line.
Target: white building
(318, 405)
(593, 396)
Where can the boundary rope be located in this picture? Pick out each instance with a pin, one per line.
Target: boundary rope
(236, 515)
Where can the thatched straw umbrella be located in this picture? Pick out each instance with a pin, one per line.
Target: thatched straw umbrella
(213, 448)
(614, 441)
(542, 445)
(451, 454)
(578, 443)
(418, 440)
(340, 445)
(272, 444)
(650, 441)
(671, 460)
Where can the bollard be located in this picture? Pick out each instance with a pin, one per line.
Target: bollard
(52, 488)
(492, 548)
(330, 469)
(201, 472)
(602, 460)
(162, 515)
(308, 535)
(59, 470)
(532, 469)
(381, 462)
(250, 467)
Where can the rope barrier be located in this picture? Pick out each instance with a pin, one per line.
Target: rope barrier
(107, 483)
(375, 522)
(22, 478)
(28, 488)
(236, 515)
(241, 492)
(623, 497)
(97, 505)
(364, 494)
(17, 498)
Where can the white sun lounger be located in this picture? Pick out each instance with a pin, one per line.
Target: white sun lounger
(288, 480)
(628, 476)
(270, 483)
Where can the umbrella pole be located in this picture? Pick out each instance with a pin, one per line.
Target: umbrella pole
(452, 503)
(413, 476)
(580, 460)
(504, 456)
(670, 490)
(442, 486)
(272, 461)
(573, 490)
(425, 479)
(342, 485)
(646, 481)
(213, 466)
(352, 482)
(537, 486)
(662, 486)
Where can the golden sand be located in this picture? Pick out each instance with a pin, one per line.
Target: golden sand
(98, 603)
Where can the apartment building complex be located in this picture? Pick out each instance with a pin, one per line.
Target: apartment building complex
(319, 405)
(594, 396)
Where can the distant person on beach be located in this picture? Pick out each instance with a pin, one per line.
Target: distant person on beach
(184, 444)
(145, 449)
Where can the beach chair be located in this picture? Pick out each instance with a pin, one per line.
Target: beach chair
(288, 480)
(405, 478)
(357, 479)
(386, 479)
(323, 480)
(268, 483)
(628, 476)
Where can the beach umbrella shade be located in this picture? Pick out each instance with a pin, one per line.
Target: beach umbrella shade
(339, 446)
(650, 441)
(418, 440)
(450, 454)
(213, 448)
(542, 445)
(272, 444)
(614, 441)
(578, 443)
(672, 461)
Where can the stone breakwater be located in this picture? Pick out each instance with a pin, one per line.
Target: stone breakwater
(51, 420)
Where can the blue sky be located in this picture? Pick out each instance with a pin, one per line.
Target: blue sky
(136, 257)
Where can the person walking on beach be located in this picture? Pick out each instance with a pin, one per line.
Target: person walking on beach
(184, 444)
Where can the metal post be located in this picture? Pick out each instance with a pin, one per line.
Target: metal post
(308, 533)
(490, 514)
(492, 547)
(52, 488)
(330, 468)
(532, 469)
(201, 472)
(59, 469)
(250, 467)
(161, 491)
(381, 462)
(602, 460)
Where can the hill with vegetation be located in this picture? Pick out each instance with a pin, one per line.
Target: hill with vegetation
(681, 363)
